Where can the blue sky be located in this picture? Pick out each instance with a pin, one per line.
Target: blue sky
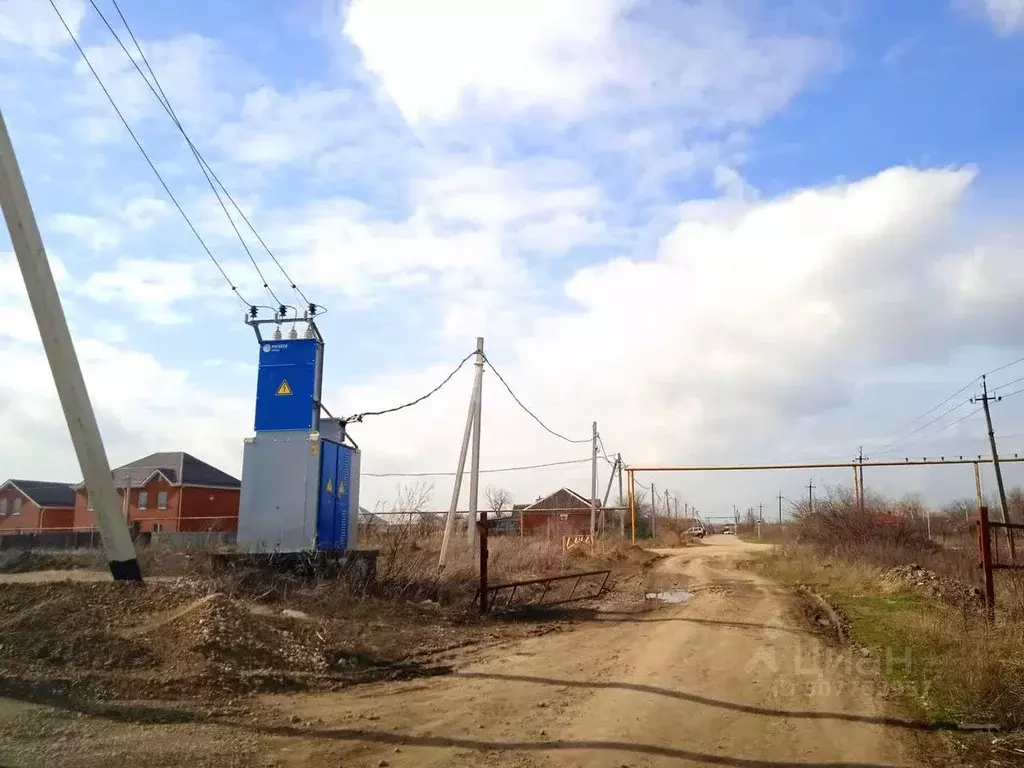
(728, 231)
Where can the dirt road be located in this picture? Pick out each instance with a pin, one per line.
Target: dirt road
(731, 678)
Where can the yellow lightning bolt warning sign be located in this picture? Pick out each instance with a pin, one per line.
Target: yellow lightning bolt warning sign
(341, 489)
(330, 486)
(284, 389)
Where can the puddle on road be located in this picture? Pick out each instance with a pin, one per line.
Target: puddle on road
(670, 596)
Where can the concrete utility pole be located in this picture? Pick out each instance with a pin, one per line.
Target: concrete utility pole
(604, 503)
(780, 507)
(668, 503)
(474, 466)
(471, 425)
(861, 458)
(977, 487)
(760, 511)
(67, 373)
(622, 513)
(654, 511)
(810, 496)
(593, 483)
(986, 398)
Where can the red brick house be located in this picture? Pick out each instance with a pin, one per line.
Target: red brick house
(561, 513)
(170, 492)
(36, 505)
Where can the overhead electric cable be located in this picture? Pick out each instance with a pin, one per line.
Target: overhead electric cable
(149, 161)
(359, 417)
(1003, 367)
(1008, 384)
(531, 413)
(482, 471)
(208, 173)
(943, 429)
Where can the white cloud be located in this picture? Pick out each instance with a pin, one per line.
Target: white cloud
(432, 57)
(275, 128)
(151, 289)
(143, 213)
(436, 60)
(1007, 16)
(191, 68)
(752, 315)
(33, 24)
(142, 405)
(97, 234)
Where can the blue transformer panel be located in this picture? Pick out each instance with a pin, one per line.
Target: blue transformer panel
(287, 384)
(333, 507)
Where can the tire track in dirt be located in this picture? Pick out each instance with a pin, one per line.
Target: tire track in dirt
(731, 678)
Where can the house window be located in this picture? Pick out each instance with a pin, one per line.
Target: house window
(89, 502)
(143, 500)
(158, 527)
(17, 506)
(3, 507)
(161, 500)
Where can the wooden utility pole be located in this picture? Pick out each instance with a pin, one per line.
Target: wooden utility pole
(985, 399)
(59, 348)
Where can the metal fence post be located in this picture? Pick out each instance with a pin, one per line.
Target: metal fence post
(482, 526)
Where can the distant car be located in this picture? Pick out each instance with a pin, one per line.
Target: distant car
(729, 530)
(697, 531)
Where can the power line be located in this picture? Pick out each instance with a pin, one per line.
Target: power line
(1011, 394)
(604, 453)
(900, 442)
(227, 194)
(149, 161)
(531, 413)
(482, 471)
(1008, 384)
(901, 432)
(161, 96)
(359, 417)
(1002, 367)
(943, 429)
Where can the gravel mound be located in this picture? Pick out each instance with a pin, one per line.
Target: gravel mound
(930, 584)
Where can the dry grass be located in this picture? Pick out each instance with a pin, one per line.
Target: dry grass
(962, 669)
(408, 561)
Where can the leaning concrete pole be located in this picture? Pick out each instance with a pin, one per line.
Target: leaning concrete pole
(60, 353)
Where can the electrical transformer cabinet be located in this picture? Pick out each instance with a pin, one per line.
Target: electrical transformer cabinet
(300, 492)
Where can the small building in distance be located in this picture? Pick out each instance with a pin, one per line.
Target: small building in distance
(170, 492)
(36, 505)
(562, 513)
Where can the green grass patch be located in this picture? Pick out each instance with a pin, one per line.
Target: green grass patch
(949, 664)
